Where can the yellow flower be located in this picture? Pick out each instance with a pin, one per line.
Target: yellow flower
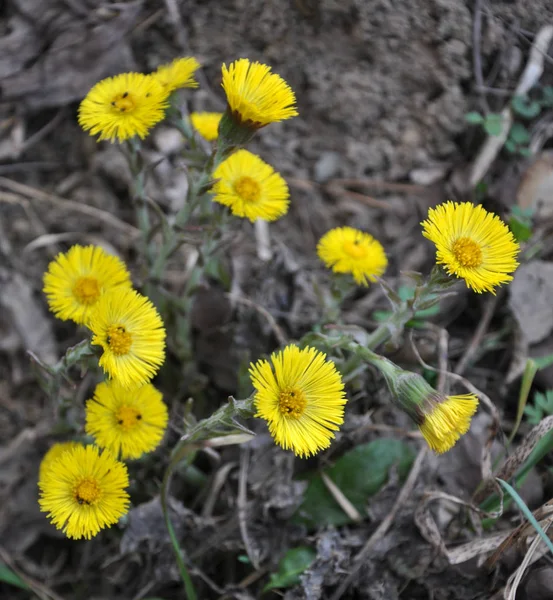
(55, 452)
(301, 397)
(84, 491)
(255, 96)
(206, 124)
(473, 244)
(446, 420)
(250, 187)
(123, 106)
(130, 330)
(177, 74)
(76, 280)
(348, 250)
(128, 423)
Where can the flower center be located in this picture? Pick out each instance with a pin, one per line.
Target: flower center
(467, 252)
(128, 417)
(248, 189)
(354, 249)
(292, 403)
(86, 290)
(87, 492)
(119, 339)
(123, 102)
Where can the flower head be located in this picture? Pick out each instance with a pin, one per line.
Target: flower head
(128, 423)
(348, 250)
(441, 419)
(473, 244)
(55, 452)
(250, 187)
(206, 124)
(255, 96)
(84, 491)
(130, 330)
(446, 419)
(177, 74)
(302, 398)
(123, 106)
(77, 279)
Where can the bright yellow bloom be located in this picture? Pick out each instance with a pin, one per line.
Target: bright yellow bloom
(55, 452)
(255, 96)
(348, 250)
(84, 491)
(76, 280)
(206, 124)
(473, 244)
(446, 420)
(130, 330)
(250, 187)
(123, 106)
(128, 423)
(301, 397)
(177, 74)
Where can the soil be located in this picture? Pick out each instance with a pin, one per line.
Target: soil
(383, 88)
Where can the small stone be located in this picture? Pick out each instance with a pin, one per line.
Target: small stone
(168, 140)
(327, 166)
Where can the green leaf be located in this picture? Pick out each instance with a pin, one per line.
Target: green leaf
(544, 361)
(523, 106)
(359, 474)
(547, 96)
(510, 146)
(519, 134)
(474, 118)
(493, 124)
(527, 513)
(11, 578)
(291, 566)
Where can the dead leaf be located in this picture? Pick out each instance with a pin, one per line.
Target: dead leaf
(530, 299)
(535, 190)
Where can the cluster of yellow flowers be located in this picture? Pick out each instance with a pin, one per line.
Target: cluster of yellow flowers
(83, 487)
(298, 392)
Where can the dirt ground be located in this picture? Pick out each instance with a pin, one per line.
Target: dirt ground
(383, 87)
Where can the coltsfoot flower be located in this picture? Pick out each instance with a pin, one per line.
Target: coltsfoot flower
(84, 491)
(55, 452)
(128, 423)
(301, 396)
(250, 187)
(177, 74)
(255, 95)
(206, 124)
(131, 333)
(120, 107)
(441, 419)
(77, 279)
(473, 244)
(348, 250)
(445, 419)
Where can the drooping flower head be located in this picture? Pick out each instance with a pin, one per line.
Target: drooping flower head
(255, 95)
(348, 250)
(473, 244)
(206, 124)
(77, 279)
(128, 423)
(177, 74)
(250, 187)
(301, 396)
(53, 454)
(131, 333)
(441, 419)
(84, 491)
(120, 107)
(446, 419)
